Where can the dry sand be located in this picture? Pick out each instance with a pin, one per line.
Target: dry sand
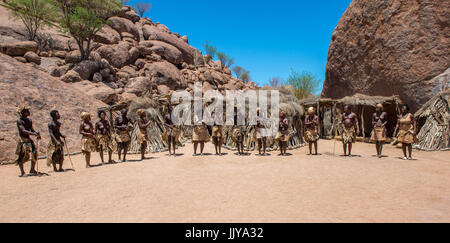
(298, 188)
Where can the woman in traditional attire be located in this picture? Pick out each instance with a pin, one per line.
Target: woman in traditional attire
(171, 134)
(88, 143)
(312, 130)
(379, 122)
(103, 131)
(123, 138)
(142, 136)
(217, 134)
(200, 136)
(407, 130)
(260, 134)
(55, 148)
(283, 134)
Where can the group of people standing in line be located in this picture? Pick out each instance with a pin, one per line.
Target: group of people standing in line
(99, 137)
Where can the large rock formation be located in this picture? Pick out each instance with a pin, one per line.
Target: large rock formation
(22, 84)
(390, 47)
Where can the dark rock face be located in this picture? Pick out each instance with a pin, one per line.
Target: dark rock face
(390, 47)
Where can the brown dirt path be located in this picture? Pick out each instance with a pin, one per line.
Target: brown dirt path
(298, 188)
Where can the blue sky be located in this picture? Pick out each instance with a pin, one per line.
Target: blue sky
(269, 38)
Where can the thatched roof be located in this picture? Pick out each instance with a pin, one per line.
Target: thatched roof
(357, 99)
(426, 111)
(315, 100)
(366, 100)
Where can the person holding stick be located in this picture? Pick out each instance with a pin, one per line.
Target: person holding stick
(55, 147)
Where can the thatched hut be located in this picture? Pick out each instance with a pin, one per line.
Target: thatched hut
(433, 120)
(364, 106)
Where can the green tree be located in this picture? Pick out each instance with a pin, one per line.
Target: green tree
(143, 7)
(242, 74)
(34, 14)
(210, 50)
(225, 59)
(82, 19)
(303, 84)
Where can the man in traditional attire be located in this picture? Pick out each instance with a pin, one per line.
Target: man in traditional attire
(26, 148)
(283, 134)
(123, 138)
(103, 133)
(88, 142)
(407, 130)
(200, 136)
(217, 134)
(171, 134)
(312, 130)
(142, 134)
(350, 129)
(55, 148)
(379, 122)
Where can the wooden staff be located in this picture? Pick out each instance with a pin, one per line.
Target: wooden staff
(68, 152)
(37, 151)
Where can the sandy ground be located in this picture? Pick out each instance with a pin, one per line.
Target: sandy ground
(297, 188)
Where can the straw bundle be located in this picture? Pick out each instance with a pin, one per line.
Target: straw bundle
(435, 132)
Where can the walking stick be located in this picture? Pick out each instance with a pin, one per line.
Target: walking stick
(37, 160)
(68, 152)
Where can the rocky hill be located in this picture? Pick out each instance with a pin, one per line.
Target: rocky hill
(132, 56)
(390, 47)
(23, 84)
